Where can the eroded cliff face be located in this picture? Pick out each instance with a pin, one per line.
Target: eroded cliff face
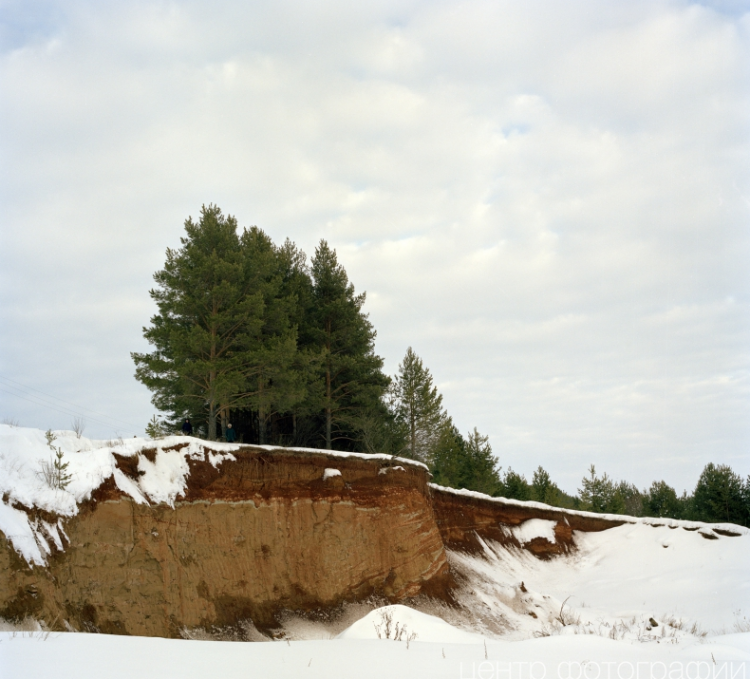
(256, 533)
(249, 538)
(465, 519)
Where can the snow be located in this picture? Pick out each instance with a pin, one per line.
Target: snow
(83, 656)
(619, 578)
(426, 627)
(16, 527)
(534, 528)
(330, 473)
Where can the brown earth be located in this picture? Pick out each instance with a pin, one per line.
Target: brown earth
(256, 537)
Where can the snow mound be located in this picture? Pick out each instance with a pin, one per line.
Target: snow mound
(330, 473)
(534, 528)
(399, 623)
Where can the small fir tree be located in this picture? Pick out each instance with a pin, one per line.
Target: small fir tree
(55, 471)
(419, 406)
(156, 429)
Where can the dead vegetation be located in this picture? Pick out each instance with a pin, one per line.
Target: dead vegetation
(387, 629)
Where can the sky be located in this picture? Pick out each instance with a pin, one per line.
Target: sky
(549, 202)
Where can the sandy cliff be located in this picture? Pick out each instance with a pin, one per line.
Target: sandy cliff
(247, 538)
(244, 533)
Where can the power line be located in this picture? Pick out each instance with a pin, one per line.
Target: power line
(18, 385)
(30, 399)
(66, 408)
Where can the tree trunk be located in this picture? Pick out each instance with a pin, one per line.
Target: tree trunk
(212, 420)
(261, 414)
(413, 432)
(328, 409)
(224, 420)
(212, 384)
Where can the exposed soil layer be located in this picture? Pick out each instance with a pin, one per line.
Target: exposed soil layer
(465, 519)
(247, 540)
(252, 538)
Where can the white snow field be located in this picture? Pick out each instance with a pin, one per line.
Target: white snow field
(79, 656)
(588, 615)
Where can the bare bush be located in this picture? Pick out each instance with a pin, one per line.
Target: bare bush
(741, 623)
(78, 426)
(566, 618)
(11, 421)
(388, 630)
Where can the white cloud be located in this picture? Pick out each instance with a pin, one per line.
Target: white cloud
(547, 201)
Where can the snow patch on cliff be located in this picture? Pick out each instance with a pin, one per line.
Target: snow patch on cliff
(90, 463)
(534, 528)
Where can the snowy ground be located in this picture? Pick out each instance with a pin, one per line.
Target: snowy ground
(589, 615)
(77, 656)
(613, 584)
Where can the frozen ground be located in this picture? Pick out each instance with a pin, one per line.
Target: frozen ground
(78, 656)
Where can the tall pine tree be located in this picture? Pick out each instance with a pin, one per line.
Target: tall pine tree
(275, 376)
(206, 311)
(351, 377)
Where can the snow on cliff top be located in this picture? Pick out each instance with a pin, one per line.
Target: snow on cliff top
(706, 528)
(24, 451)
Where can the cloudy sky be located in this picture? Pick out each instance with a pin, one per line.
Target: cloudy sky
(548, 201)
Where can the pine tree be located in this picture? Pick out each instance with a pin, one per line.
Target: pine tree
(419, 406)
(719, 496)
(515, 486)
(449, 462)
(352, 381)
(276, 376)
(208, 311)
(297, 287)
(662, 501)
(483, 472)
(542, 488)
(55, 471)
(601, 494)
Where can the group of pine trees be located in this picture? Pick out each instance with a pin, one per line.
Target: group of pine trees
(719, 496)
(248, 332)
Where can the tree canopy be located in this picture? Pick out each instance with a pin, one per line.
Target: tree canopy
(246, 331)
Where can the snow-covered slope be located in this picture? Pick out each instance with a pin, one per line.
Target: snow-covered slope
(612, 585)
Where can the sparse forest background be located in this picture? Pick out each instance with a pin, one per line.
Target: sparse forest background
(250, 333)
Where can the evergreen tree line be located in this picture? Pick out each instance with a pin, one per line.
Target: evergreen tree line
(250, 333)
(719, 496)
